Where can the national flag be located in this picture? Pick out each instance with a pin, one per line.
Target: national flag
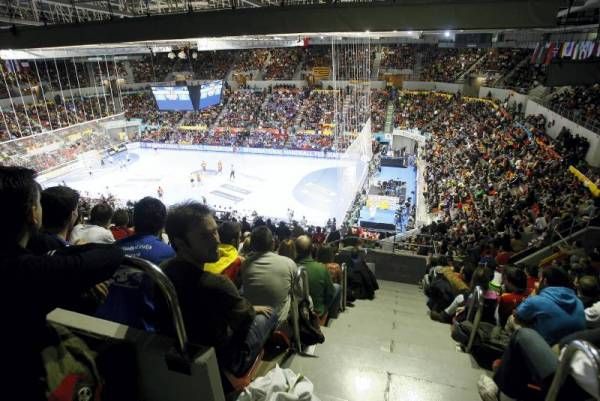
(534, 54)
(576, 50)
(549, 53)
(588, 49)
(542, 54)
(567, 49)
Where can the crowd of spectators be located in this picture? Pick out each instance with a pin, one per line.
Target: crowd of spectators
(379, 102)
(500, 61)
(400, 56)
(242, 109)
(250, 60)
(526, 77)
(282, 63)
(316, 56)
(282, 106)
(531, 191)
(35, 118)
(152, 68)
(317, 110)
(579, 103)
(417, 110)
(212, 65)
(446, 64)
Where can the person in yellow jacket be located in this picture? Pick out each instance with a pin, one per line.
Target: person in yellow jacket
(230, 262)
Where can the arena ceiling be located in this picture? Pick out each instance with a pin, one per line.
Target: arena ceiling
(27, 24)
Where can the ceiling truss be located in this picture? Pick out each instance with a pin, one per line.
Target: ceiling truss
(41, 12)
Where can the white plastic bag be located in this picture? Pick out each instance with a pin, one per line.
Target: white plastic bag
(279, 385)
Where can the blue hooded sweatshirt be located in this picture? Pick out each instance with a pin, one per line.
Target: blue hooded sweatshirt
(554, 313)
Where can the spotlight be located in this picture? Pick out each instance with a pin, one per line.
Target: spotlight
(195, 55)
(447, 34)
(171, 55)
(181, 55)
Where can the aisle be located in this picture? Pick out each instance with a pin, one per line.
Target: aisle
(387, 350)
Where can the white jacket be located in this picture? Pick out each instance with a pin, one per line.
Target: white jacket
(90, 234)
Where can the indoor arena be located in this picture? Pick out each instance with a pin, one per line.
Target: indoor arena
(257, 200)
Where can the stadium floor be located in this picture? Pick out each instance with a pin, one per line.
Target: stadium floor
(269, 184)
(388, 349)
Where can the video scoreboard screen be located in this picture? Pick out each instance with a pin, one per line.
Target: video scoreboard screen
(173, 98)
(210, 94)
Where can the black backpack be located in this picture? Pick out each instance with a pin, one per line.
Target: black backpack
(489, 343)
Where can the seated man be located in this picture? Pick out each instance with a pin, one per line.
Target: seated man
(149, 216)
(325, 295)
(213, 311)
(35, 285)
(556, 311)
(96, 231)
(529, 359)
(267, 278)
(130, 297)
(60, 214)
(230, 261)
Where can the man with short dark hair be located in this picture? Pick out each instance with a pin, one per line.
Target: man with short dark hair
(60, 214)
(96, 230)
(267, 277)
(325, 294)
(35, 285)
(130, 297)
(149, 217)
(213, 311)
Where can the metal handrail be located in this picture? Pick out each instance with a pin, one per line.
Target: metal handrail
(477, 307)
(300, 281)
(168, 290)
(344, 297)
(564, 366)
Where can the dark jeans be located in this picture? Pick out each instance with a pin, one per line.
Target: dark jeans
(333, 309)
(243, 356)
(527, 359)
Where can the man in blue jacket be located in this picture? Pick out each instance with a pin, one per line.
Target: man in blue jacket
(130, 298)
(149, 217)
(556, 311)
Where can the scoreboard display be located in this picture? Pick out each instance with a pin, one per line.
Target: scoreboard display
(172, 98)
(210, 94)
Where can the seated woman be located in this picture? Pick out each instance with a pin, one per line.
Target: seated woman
(515, 291)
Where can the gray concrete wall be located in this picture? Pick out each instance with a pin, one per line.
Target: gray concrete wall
(396, 267)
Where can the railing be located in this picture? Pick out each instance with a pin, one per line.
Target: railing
(557, 233)
(300, 282)
(564, 367)
(474, 314)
